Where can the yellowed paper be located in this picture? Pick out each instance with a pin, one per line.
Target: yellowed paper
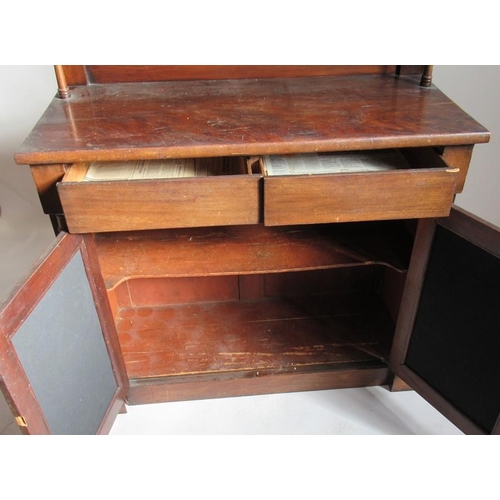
(146, 169)
(332, 163)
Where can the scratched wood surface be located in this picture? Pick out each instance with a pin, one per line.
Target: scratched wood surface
(91, 207)
(385, 195)
(272, 334)
(250, 250)
(246, 117)
(424, 190)
(137, 73)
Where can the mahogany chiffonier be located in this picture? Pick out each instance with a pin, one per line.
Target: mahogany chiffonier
(244, 230)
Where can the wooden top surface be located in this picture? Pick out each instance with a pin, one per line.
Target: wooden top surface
(130, 121)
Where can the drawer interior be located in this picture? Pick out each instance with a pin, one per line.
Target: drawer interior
(347, 162)
(177, 168)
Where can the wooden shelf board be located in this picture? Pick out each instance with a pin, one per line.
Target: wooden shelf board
(242, 337)
(253, 249)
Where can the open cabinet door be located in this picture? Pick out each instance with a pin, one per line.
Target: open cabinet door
(447, 343)
(61, 367)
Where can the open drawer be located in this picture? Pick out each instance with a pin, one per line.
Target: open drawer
(373, 185)
(123, 196)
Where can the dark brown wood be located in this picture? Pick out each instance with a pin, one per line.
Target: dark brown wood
(480, 232)
(75, 75)
(426, 80)
(23, 300)
(249, 250)
(384, 195)
(46, 178)
(92, 74)
(159, 292)
(181, 389)
(411, 295)
(128, 74)
(264, 335)
(63, 89)
(459, 157)
(245, 117)
(394, 284)
(398, 385)
(408, 70)
(147, 292)
(251, 286)
(414, 193)
(178, 333)
(103, 206)
(234, 340)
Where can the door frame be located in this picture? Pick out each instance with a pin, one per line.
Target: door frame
(475, 230)
(23, 300)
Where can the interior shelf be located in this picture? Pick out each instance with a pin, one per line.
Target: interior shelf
(208, 312)
(270, 335)
(254, 249)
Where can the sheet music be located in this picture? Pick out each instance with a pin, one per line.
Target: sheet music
(146, 169)
(331, 163)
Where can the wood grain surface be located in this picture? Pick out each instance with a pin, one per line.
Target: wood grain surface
(246, 117)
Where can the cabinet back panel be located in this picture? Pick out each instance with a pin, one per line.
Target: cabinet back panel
(124, 73)
(154, 292)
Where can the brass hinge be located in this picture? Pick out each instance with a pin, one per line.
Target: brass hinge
(21, 421)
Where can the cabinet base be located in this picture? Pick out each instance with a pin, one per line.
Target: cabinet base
(185, 389)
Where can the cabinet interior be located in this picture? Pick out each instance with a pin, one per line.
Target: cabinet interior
(253, 301)
(252, 279)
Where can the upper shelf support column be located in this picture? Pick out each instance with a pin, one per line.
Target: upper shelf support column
(62, 86)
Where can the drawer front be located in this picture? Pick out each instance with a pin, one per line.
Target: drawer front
(157, 204)
(399, 194)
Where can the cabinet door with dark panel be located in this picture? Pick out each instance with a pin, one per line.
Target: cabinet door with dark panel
(61, 367)
(447, 344)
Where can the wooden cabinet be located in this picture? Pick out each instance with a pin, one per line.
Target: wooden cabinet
(239, 282)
